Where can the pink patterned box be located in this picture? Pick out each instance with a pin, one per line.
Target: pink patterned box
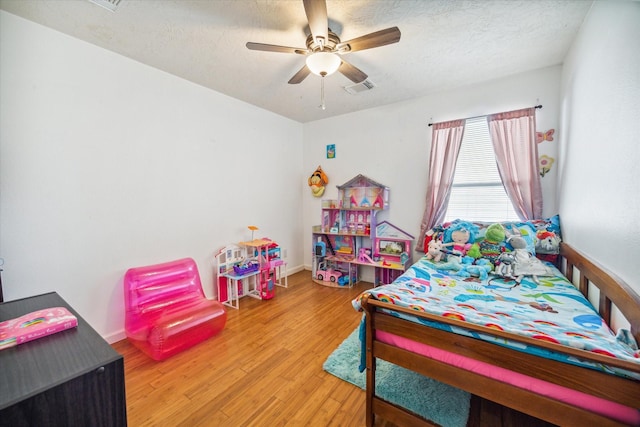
(35, 325)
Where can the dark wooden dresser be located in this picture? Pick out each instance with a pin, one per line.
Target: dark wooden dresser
(71, 378)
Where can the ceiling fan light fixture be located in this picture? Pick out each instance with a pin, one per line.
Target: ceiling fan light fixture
(323, 63)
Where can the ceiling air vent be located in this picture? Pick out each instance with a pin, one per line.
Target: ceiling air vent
(112, 5)
(360, 87)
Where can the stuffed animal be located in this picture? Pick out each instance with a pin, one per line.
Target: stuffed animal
(493, 243)
(522, 263)
(458, 236)
(480, 269)
(534, 268)
(452, 263)
(506, 261)
(526, 264)
(474, 251)
(434, 251)
(519, 245)
(547, 246)
(504, 266)
(431, 235)
(317, 181)
(547, 242)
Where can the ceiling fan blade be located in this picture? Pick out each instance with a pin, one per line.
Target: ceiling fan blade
(300, 76)
(276, 48)
(352, 73)
(316, 11)
(379, 38)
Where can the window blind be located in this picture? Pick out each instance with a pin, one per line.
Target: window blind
(477, 193)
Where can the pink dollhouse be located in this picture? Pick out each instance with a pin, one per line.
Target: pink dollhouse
(349, 237)
(391, 247)
(250, 268)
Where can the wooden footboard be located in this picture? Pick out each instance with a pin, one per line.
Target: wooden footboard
(612, 291)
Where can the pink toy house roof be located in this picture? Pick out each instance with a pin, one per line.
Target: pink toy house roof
(386, 230)
(360, 181)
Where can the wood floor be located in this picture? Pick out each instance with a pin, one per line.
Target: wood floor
(263, 369)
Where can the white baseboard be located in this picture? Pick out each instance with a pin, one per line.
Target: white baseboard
(120, 335)
(115, 337)
(294, 270)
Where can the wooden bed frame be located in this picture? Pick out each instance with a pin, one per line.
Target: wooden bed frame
(579, 270)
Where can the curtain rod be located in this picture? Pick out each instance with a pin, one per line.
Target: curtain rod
(484, 115)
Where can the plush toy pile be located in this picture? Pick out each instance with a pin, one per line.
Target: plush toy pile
(510, 250)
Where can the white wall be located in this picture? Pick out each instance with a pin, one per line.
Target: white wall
(599, 184)
(107, 164)
(391, 144)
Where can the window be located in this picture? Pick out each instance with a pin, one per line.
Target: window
(477, 193)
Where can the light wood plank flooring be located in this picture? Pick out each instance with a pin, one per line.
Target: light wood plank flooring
(263, 369)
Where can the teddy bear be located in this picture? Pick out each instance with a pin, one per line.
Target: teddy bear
(434, 251)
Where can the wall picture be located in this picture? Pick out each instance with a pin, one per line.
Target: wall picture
(331, 151)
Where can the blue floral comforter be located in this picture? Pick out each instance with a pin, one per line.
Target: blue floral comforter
(553, 310)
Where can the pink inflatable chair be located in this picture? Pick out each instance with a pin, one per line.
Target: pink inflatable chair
(166, 310)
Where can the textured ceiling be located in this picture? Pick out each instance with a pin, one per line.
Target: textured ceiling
(445, 44)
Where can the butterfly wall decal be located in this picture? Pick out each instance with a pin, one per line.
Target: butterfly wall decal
(545, 136)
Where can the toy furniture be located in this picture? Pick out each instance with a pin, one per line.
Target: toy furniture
(71, 378)
(166, 310)
(347, 237)
(392, 247)
(234, 279)
(251, 269)
(267, 254)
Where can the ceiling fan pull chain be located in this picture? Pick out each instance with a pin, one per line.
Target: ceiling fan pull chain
(322, 105)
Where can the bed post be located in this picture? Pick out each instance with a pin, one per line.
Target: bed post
(371, 363)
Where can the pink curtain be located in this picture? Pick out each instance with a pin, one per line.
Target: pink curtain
(513, 135)
(445, 146)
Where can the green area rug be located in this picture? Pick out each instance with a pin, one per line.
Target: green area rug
(441, 403)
